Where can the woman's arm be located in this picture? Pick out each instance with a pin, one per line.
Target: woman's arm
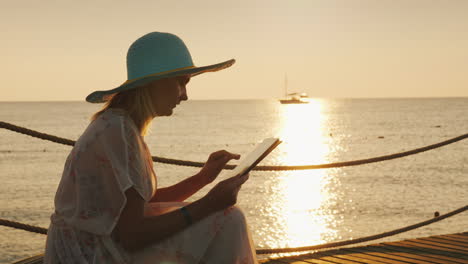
(180, 191)
(135, 231)
(186, 188)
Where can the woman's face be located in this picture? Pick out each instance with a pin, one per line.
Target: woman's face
(167, 93)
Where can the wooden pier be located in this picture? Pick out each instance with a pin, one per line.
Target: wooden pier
(451, 248)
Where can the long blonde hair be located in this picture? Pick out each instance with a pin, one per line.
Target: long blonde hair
(137, 102)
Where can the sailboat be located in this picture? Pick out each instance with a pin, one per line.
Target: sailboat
(293, 98)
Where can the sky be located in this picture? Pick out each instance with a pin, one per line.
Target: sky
(64, 49)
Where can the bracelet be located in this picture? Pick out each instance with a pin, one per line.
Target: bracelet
(187, 216)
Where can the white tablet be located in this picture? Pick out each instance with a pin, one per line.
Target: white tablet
(248, 162)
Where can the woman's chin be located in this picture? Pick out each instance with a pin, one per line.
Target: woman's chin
(168, 112)
(165, 112)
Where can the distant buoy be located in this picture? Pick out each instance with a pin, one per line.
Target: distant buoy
(436, 214)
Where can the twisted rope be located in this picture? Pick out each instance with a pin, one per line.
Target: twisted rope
(42, 230)
(36, 134)
(362, 239)
(69, 142)
(18, 225)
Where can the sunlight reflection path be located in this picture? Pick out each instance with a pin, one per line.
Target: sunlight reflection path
(303, 198)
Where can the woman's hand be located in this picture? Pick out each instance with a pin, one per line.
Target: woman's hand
(215, 164)
(224, 194)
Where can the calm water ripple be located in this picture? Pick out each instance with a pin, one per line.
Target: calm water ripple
(284, 209)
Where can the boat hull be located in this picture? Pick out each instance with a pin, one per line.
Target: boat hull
(292, 101)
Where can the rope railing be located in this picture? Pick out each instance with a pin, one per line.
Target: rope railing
(36, 134)
(362, 239)
(25, 227)
(261, 251)
(69, 142)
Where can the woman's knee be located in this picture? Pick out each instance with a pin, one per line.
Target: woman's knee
(235, 214)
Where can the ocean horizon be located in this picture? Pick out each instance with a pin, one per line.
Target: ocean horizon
(260, 99)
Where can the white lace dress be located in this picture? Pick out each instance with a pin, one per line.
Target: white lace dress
(108, 159)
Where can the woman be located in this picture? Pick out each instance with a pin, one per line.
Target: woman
(108, 208)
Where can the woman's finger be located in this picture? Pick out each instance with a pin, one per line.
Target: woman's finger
(236, 190)
(240, 179)
(244, 178)
(229, 155)
(216, 155)
(235, 156)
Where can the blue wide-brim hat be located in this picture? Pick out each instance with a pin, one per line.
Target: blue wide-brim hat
(156, 56)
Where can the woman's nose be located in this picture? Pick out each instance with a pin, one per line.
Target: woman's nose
(183, 94)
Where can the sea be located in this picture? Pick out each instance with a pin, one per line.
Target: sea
(282, 208)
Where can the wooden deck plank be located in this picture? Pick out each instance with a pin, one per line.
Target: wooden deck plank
(432, 245)
(447, 238)
(299, 260)
(356, 259)
(287, 260)
(335, 253)
(439, 244)
(458, 244)
(420, 255)
(458, 236)
(339, 260)
(428, 249)
(379, 252)
(338, 253)
(455, 239)
(302, 261)
(375, 258)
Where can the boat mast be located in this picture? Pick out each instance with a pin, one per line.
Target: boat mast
(285, 85)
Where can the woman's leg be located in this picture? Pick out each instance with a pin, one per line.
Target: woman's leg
(233, 242)
(222, 237)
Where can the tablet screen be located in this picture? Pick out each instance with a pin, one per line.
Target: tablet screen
(253, 158)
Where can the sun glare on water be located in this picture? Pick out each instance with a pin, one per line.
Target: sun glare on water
(302, 198)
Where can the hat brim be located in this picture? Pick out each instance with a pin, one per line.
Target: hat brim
(104, 96)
